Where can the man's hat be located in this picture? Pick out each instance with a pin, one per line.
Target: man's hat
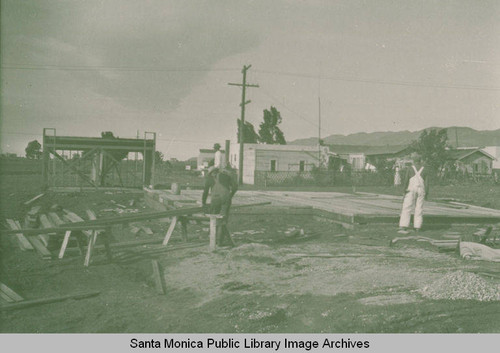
(216, 146)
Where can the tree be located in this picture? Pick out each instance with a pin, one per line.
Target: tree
(250, 134)
(431, 145)
(159, 157)
(107, 135)
(33, 150)
(269, 132)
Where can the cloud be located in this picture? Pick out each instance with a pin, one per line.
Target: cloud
(89, 66)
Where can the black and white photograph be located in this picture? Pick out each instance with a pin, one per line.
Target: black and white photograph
(250, 167)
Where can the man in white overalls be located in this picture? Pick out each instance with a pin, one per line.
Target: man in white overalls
(416, 189)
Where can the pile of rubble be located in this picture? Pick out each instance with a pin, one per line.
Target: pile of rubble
(461, 285)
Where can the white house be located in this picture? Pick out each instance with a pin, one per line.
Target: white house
(276, 158)
(495, 152)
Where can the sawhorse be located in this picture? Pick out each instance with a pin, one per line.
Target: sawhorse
(213, 229)
(183, 221)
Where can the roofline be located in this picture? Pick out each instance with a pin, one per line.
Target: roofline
(478, 150)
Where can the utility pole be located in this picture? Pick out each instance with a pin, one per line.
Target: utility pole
(243, 85)
(319, 119)
(319, 132)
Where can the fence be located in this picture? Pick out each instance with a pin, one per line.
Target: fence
(355, 178)
(321, 178)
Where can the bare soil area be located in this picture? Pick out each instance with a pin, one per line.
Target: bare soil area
(287, 273)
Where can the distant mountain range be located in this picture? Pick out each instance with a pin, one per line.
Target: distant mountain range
(467, 137)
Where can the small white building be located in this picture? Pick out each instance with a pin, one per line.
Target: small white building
(495, 152)
(276, 158)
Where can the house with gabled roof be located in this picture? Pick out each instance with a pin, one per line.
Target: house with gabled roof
(472, 160)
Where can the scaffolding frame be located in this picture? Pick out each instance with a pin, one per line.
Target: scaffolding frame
(100, 155)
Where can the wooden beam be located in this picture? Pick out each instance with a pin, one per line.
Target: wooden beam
(24, 244)
(10, 293)
(83, 176)
(90, 246)
(64, 244)
(104, 222)
(33, 199)
(170, 231)
(29, 303)
(40, 248)
(158, 277)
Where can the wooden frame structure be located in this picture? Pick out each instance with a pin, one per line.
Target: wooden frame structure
(103, 227)
(103, 153)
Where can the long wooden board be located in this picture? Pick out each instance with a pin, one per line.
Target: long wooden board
(24, 244)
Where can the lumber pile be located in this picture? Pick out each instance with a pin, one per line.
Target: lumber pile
(9, 295)
(445, 244)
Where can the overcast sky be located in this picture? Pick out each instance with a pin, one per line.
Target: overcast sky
(89, 66)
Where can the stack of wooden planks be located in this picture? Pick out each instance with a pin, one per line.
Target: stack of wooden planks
(9, 295)
(29, 242)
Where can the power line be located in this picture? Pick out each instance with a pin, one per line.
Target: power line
(382, 82)
(276, 101)
(109, 68)
(281, 73)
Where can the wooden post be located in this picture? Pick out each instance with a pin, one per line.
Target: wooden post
(64, 243)
(158, 277)
(227, 148)
(170, 231)
(107, 235)
(213, 230)
(90, 247)
(184, 223)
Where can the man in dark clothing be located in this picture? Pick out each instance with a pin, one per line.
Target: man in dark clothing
(224, 186)
(209, 183)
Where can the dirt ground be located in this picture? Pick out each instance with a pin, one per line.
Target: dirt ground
(288, 273)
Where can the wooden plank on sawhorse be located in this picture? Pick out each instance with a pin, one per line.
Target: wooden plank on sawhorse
(72, 218)
(24, 244)
(46, 223)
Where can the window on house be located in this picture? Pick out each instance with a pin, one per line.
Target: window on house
(273, 165)
(302, 165)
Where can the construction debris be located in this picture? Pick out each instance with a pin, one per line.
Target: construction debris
(158, 277)
(445, 244)
(8, 294)
(28, 303)
(24, 244)
(34, 199)
(475, 251)
(462, 285)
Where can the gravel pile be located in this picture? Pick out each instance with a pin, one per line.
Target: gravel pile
(462, 285)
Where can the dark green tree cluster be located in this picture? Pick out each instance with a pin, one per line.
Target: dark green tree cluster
(250, 135)
(269, 131)
(33, 150)
(431, 145)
